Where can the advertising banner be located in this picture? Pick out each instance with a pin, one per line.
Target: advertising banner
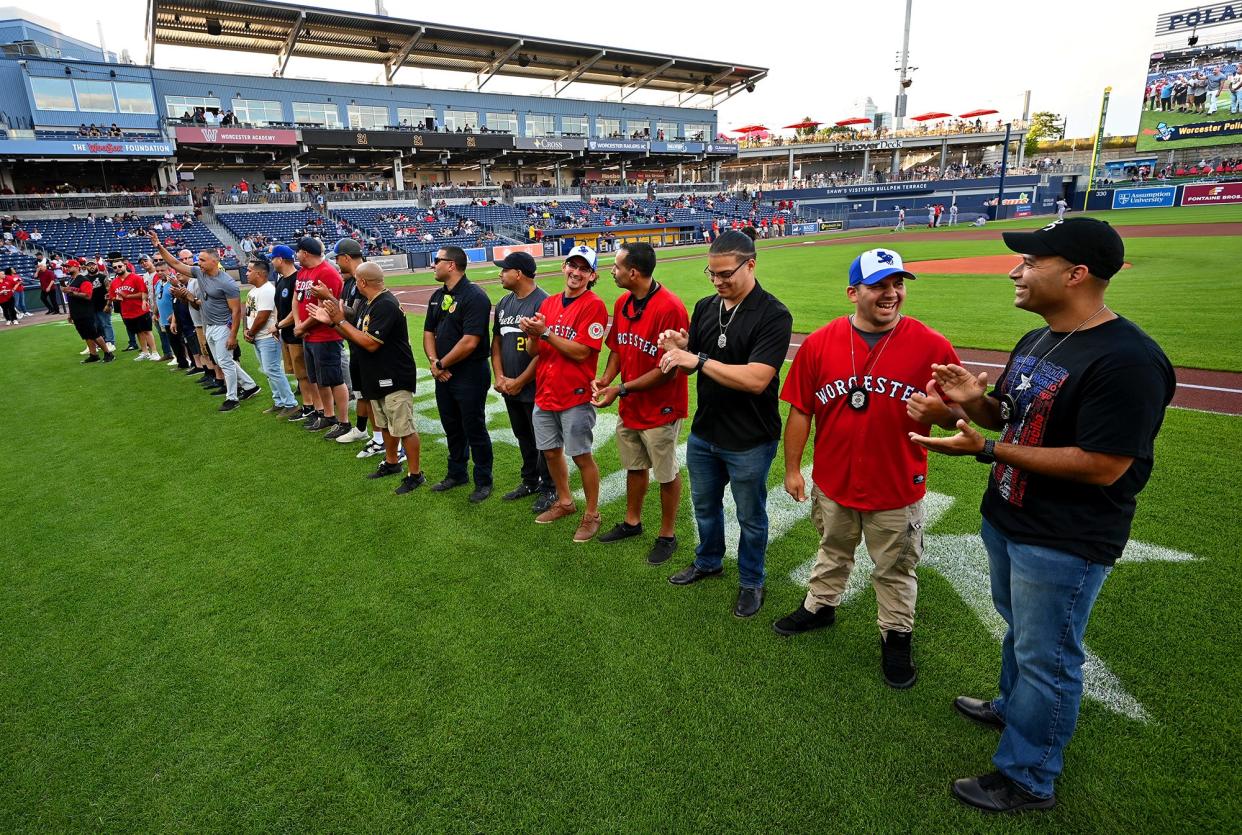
(1186, 94)
(499, 253)
(1211, 194)
(1145, 198)
(549, 143)
(391, 263)
(83, 148)
(727, 148)
(638, 146)
(358, 138)
(237, 136)
(676, 147)
(476, 254)
(805, 228)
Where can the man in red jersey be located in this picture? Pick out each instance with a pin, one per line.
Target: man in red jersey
(566, 334)
(322, 346)
(79, 291)
(652, 403)
(130, 292)
(861, 378)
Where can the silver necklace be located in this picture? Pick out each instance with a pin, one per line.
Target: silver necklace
(1008, 403)
(723, 340)
(858, 396)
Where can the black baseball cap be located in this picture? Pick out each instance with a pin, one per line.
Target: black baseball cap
(518, 261)
(311, 245)
(1079, 240)
(348, 246)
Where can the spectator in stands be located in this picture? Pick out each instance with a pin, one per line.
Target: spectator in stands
(83, 130)
(284, 262)
(261, 333)
(322, 349)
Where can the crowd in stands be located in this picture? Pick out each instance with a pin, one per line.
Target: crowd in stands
(947, 127)
(1196, 89)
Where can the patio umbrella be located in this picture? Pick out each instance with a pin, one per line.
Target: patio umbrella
(856, 120)
(974, 113)
(927, 117)
(800, 125)
(750, 129)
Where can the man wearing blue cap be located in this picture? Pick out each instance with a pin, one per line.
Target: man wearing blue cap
(284, 262)
(862, 380)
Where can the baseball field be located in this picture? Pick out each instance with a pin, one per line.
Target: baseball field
(215, 622)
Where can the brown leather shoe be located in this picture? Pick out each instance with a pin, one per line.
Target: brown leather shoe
(588, 527)
(556, 511)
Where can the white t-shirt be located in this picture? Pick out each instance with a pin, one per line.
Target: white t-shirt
(262, 298)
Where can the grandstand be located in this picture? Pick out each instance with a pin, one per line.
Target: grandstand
(81, 238)
(284, 226)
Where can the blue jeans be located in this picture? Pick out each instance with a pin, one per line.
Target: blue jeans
(1045, 596)
(268, 351)
(711, 468)
(19, 298)
(104, 321)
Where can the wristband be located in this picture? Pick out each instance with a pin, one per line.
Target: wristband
(622, 391)
(702, 362)
(988, 454)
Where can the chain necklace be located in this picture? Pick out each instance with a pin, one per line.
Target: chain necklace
(1008, 404)
(857, 394)
(722, 340)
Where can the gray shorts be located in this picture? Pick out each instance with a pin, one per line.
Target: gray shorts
(572, 429)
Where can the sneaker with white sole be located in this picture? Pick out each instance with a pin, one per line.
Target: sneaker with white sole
(371, 449)
(142, 357)
(354, 434)
(171, 363)
(84, 352)
(111, 348)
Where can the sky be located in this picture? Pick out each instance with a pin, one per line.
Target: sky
(822, 57)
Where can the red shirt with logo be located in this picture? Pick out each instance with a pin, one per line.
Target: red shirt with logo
(8, 286)
(863, 459)
(634, 338)
(46, 279)
(562, 383)
(326, 273)
(130, 283)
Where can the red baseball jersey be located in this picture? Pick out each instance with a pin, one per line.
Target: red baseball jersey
(562, 383)
(130, 283)
(634, 338)
(325, 272)
(863, 459)
(8, 286)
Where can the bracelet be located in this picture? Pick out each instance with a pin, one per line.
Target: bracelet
(702, 362)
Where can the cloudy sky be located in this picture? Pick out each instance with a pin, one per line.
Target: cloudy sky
(822, 56)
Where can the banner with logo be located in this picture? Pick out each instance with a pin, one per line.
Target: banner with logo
(316, 137)
(236, 136)
(677, 147)
(83, 148)
(728, 148)
(549, 143)
(1145, 198)
(1211, 194)
(476, 254)
(617, 145)
(805, 228)
(499, 253)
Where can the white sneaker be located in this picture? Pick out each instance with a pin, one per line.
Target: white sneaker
(156, 358)
(111, 347)
(171, 363)
(370, 449)
(84, 352)
(354, 434)
(142, 356)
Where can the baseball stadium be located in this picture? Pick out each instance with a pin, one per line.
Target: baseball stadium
(216, 616)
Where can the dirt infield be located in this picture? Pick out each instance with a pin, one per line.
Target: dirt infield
(998, 265)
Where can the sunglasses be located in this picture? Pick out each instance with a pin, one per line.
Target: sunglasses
(438, 260)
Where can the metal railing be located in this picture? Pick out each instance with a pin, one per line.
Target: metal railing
(254, 198)
(405, 195)
(454, 192)
(91, 200)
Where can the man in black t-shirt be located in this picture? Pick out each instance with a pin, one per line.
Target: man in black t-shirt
(284, 262)
(387, 375)
(455, 340)
(1078, 405)
(737, 342)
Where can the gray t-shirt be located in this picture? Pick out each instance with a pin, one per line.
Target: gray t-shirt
(513, 356)
(215, 291)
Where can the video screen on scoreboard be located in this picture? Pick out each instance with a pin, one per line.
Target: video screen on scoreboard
(1193, 98)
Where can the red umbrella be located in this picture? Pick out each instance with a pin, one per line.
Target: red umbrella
(927, 117)
(972, 114)
(750, 129)
(856, 120)
(799, 125)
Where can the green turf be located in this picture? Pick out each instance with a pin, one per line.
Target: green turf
(213, 622)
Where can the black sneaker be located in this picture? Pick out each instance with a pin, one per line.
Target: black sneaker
(385, 469)
(301, 415)
(130, 348)
(91, 358)
(208, 382)
(109, 356)
(895, 662)
(544, 502)
(410, 483)
(229, 405)
(191, 372)
(804, 620)
(337, 431)
(218, 391)
(622, 530)
(246, 394)
(519, 492)
(320, 424)
(663, 548)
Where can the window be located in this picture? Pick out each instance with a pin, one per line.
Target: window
(502, 122)
(254, 112)
(537, 124)
(605, 128)
(368, 117)
(178, 106)
(454, 119)
(316, 113)
(698, 133)
(574, 125)
(94, 96)
(52, 94)
(415, 117)
(134, 98)
(638, 128)
(670, 129)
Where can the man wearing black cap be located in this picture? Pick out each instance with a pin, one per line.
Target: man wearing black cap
(455, 340)
(514, 370)
(285, 265)
(1078, 406)
(348, 258)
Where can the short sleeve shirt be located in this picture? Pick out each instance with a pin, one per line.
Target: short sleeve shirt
(129, 284)
(634, 338)
(560, 382)
(514, 357)
(390, 367)
(326, 273)
(215, 292)
(285, 286)
(259, 299)
(462, 312)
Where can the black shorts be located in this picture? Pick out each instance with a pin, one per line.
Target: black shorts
(137, 325)
(87, 329)
(324, 363)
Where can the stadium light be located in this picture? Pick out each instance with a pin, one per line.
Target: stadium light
(214, 28)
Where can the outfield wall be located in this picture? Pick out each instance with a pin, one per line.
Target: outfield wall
(1151, 196)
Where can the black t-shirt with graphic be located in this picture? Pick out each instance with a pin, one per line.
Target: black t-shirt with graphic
(1104, 390)
(390, 367)
(452, 315)
(284, 306)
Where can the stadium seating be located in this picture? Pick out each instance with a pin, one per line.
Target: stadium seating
(368, 220)
(80, 238)
(279, 226)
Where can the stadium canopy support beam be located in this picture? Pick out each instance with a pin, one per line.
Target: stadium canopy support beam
(150, 33)
(286, 51)
(485, 75)
(398, 174)
(631, 89)
(397, 61)
(693, 90)
(737, 88)
(576, 73)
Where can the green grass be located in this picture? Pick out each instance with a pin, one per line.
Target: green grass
(214, 622)
(1148, 119)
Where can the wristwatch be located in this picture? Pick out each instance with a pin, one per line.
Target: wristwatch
(702, 362)
(439, 365)
(622, 391)
(546, 336)
(988, 454)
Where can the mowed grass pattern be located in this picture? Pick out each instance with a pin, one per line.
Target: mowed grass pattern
(214, 622)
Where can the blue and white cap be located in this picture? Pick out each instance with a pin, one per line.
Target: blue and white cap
(584, 252)
(876, 265)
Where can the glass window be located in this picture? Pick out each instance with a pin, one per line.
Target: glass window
(134, 98)
(537, 124)
(52, 94)
(454, 119)
(698, 133)
(178, 106)
(605, 128)
(368, 117)
(94, 96)
(639, 128)
(502, 122)
(574, 125)
(669, 129)
(316, 113)
(255, 112)
(415, 117)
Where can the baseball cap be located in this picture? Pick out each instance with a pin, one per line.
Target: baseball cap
(348, 246)
(521, 261)
(875, 265)
(584, 252)
(72, 263)
(311, 245)
(282, 251)
(1079, 240)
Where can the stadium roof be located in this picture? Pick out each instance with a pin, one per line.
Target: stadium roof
(286, 30)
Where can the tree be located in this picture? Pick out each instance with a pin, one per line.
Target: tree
(806, 131)
(1044, 125)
